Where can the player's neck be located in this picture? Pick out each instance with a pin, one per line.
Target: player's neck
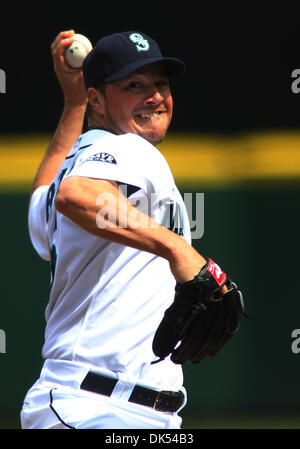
(92, 123)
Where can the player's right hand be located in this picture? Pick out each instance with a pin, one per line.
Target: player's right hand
(70, 80)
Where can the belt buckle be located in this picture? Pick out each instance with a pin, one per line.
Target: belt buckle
(155, 406)
(172, 394)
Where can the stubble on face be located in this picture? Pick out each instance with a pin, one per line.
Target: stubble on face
(153, 137)
(141, 104)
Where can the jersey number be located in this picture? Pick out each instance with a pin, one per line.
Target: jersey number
(53, 264)
(49, 203)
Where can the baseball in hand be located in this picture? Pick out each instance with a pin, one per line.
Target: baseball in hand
(77, 51)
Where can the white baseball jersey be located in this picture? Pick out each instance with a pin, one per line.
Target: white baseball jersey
(107, 299)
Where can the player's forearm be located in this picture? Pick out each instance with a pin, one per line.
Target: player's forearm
(99, 208)
(68, 130)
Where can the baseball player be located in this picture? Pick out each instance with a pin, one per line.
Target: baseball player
(103, 211)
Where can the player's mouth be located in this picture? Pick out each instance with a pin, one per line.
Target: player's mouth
(150, 115)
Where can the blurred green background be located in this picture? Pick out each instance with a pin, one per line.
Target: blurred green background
(235, 136)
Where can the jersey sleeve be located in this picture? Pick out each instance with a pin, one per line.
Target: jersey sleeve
(115, 159)
(37, 223)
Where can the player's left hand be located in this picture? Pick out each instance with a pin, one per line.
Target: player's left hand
(201, 318)
(71, 80)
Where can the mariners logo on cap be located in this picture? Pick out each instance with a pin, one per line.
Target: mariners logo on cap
(140, 43)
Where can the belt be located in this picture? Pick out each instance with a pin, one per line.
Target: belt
(163, 401)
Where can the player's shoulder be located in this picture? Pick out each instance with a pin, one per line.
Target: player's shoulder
(142, 148)
(128, 145)
(89, 138)
(122, 141)
(137, 141)
(128, 148)
(89, 143)
(96, 136)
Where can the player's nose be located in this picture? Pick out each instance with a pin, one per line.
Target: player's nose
(155, 97)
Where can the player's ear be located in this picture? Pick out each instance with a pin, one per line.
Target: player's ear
(96, 100)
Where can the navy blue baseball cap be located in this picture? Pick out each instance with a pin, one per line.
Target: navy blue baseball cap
(118, 55)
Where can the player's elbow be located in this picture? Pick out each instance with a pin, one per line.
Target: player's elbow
(61, 202)
(64, 197)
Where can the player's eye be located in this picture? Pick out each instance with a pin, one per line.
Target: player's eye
(134, 85)
(162, 85)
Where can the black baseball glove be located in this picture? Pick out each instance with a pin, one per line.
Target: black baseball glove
(200, 318)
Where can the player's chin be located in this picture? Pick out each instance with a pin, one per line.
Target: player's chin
(153, 137)
(153, 134)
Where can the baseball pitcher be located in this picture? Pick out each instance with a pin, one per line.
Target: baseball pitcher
(130, 299)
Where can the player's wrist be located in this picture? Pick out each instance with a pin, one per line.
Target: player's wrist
(73, 114)
(185, 262)
(71, 105)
